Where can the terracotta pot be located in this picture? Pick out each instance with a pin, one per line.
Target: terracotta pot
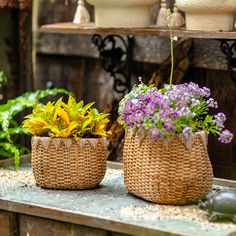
(208, 15)
(122, 13)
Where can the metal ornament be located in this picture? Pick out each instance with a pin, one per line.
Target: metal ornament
(116, 58)
(229, 50)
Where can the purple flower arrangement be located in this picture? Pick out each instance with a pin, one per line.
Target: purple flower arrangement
(175, 109)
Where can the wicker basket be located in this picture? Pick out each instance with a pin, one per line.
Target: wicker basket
(167, 174)
(66, 164)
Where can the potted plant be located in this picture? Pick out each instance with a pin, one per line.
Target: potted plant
(122, 13)
(165, 151)
(69, 144)
(208, 15)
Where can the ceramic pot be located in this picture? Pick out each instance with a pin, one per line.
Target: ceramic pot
(122, 13)
(208, 15)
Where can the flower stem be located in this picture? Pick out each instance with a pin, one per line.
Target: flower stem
(172, 55)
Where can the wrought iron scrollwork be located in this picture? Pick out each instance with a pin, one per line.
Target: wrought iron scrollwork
(116, 56)
(229, 49)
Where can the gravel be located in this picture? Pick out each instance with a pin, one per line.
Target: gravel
(147, 212)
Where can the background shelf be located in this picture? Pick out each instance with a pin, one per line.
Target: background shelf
(70, 28)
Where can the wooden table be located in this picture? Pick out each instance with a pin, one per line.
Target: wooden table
(26, 209)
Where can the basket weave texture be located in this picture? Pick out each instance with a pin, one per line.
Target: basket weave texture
(167, 173)
(67, 164)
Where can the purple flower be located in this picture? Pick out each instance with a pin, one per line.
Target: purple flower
(172, 109)
(212, 103)
(225, 137)
(154, 133)
(139, 118)
(186, 112)
(220, 117)
(219, 120)
(205, 92)
(169, 125)
(195, 102)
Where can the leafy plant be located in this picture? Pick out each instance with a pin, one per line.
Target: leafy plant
(67, 120)
(3, 79)
(9, 127)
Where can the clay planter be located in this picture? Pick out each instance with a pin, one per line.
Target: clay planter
(208, 15)
(173, 172)
(122, 13)
(59, 163)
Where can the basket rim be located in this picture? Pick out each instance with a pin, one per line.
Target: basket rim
(46, 137)
(130, 130)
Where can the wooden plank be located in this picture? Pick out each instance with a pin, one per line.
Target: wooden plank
(205, 53)
(225, 182)
(25, 81)
(32, 226)
(80, 218)
(8, 224)
(115, 165)
(90, 28)
(4, 224)
(10, 162)
(23, 4)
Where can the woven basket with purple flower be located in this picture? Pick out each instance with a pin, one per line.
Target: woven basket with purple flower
(165, 152)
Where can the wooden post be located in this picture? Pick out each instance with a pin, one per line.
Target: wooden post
(8, 223)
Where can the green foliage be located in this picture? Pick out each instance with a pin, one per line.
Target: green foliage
(9, 127)
(67, 120)
(3, 79)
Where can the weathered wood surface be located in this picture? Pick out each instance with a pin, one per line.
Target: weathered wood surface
(180, 67)
(99, 208)
(21, 4)
(205, 53)
(8, 223)
(36, 226)
(5, 223)
(222, 156)
(15, 47)
(11, 162)
(84, 77)
(90, 28)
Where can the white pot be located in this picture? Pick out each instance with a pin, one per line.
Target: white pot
(122, 13)
(208, 15)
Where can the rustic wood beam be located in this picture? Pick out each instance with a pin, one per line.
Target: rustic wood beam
(205, 53)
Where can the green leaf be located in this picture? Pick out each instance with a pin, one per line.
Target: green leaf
(86, 124)
(11, 148)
